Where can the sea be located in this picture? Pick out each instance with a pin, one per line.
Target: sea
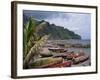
(73, 41)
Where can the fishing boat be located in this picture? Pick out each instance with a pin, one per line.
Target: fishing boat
(69, 55)
(64, 64)
(61, 50)
(74, 55)
(45, 62)
(80, 59)
(46, 54)
(63, 55)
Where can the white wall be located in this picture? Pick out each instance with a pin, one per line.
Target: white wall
(5, 40)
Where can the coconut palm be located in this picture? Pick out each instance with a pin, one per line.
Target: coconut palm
(32, 41)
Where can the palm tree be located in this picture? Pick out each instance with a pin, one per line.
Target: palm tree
(32, 41)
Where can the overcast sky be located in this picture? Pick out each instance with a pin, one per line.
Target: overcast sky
(80, 23)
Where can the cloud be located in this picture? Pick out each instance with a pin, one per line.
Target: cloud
(79, 23)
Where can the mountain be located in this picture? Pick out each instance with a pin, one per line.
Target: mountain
(56, 32)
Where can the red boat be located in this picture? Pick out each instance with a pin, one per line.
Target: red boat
(74, 55)
(64, 64)
(69, 55)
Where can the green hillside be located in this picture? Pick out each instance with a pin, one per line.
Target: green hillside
(56, 32)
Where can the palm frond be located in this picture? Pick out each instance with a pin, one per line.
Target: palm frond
(35, 48)
(32, 41)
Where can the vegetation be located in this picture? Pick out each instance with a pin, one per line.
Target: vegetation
(32, 41)
(58, 32)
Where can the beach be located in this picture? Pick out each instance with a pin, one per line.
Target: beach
(61, 44)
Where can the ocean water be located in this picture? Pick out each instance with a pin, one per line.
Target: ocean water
(72, 41)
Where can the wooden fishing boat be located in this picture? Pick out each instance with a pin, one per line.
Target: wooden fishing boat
(80, 59)
(61, 50)
(45, 62)
(46, 54)
(74, 55)
(63, 55)
(64, 64)
(69, 55)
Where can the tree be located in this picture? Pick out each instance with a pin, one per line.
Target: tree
(32, 41)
